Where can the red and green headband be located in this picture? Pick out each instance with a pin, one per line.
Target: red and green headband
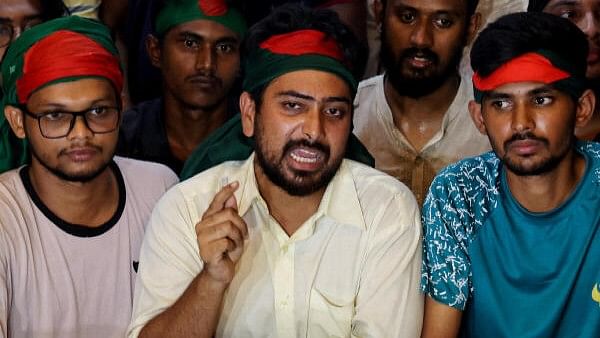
(59, 50)
(177, 12)
(298, 50)
(543, 66)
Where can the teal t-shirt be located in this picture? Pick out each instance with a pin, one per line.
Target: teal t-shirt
(512, 272)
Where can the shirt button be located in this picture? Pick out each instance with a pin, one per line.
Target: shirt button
(284, 248)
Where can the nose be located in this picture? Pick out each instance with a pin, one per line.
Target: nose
(312, 126)
(80, 129)
(521, 119)
(421, 35)
(589, 24)
(206, 58)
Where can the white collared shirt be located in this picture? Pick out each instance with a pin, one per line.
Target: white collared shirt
(352, 269)
(394, 154)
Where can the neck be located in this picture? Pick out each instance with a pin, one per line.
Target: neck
(421, 118)
(542, 193)
(187, 127)
(431, 106)
(289, 211)
(89, 204)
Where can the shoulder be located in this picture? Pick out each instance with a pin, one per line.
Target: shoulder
(135, 118)
(371, 180)
(462, 195)
(592, 150)
(143, 174)
(366, 88)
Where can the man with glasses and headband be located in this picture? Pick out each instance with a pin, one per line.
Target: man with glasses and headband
(71, 222)
(16, 16)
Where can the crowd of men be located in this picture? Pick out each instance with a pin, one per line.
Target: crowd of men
(268, 190)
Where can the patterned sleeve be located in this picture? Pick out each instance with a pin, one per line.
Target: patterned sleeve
(458, 202)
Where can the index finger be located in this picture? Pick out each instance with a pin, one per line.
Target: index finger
(221, 198)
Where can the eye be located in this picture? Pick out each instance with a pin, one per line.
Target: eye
(335, 112)
(569, 14)
(543, 100)
(291, 105)
(225, 48)
(97, 111)
(407, 16)
(500, 104)
(191, 42)
(55, 116)
(443, 22)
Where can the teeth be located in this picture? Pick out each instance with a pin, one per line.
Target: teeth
(303, 159)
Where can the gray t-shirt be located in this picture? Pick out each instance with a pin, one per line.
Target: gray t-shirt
(65, 280)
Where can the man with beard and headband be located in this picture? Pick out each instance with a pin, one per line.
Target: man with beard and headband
(72, 221)
(294, 241)
(414, 118)
(585, 14)
(197, 48)
(512, 237)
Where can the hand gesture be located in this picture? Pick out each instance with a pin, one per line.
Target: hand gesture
(221, 233)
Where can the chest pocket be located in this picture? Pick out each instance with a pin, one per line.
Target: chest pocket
(333, 294)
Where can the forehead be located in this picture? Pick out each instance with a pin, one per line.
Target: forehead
(314, 83)
(17, 9)
(572, 3)
(206, 29)
(430, 6)
(78, 93)
(521, 88)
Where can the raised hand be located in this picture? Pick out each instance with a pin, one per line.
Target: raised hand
(221, 233)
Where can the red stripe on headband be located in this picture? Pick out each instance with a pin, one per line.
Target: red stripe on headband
(306, 41)
(66, 54)
(213, 7)
(529, 67)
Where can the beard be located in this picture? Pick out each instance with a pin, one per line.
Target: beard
(542, 166)
(416, 83)
(80, 177)
(297, 182)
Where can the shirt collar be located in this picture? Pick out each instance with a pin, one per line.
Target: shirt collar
(340, 200)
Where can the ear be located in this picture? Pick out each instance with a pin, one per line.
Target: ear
(377, 7)
(585, 108)
(248, 111)
(153, 49)
(14, 116)
(473, 28)
(477, 117)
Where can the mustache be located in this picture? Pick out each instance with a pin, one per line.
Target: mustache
(419, 52)
(524, 136)
(204, 77)
(79, 146)
(306, 144)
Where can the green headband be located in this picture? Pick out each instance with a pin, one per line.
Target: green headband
(14, 60)
(293, 51)
(177, 12)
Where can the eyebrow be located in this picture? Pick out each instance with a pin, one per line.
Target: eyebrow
(188, 34)
(328, 99)
(563, 3)
(58, 105)
(544, 89)
(443, 11)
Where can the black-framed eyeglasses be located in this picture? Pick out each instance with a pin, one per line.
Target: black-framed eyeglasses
(58, 123)
(7, 30)
(6, 33)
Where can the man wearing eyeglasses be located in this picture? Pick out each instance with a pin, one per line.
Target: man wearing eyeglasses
(17, 16)
(71, 222)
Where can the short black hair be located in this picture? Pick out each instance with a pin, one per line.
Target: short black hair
(516, 34)
(537, 5)
(292, 17)
(52, 9)
(471, 6)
